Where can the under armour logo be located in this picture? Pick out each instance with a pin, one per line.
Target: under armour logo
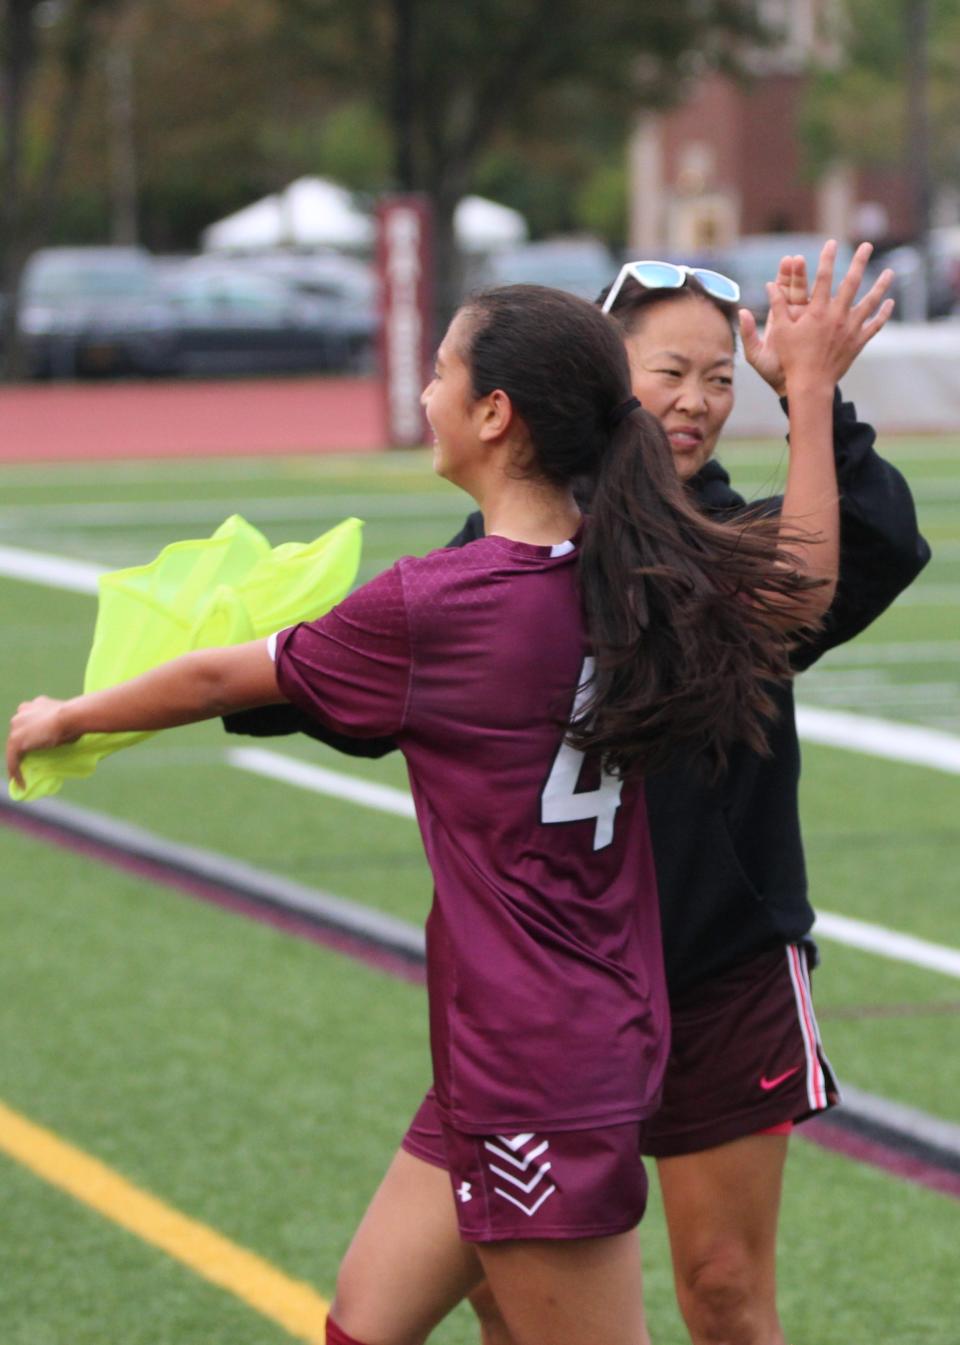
(465, 1192)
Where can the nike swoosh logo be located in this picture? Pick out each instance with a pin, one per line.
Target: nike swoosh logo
(766, 1084)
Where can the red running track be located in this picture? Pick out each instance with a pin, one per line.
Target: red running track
(66, 422)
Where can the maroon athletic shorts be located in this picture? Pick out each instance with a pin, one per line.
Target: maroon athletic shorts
(745, 1057)
(566, 1184)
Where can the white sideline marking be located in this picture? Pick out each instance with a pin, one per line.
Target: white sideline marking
(261, 761)
(35, 567)
(832, 728)
(267, 508)
(880, 738)
(842, 929)
(888, 943)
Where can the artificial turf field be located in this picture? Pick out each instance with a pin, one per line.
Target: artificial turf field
(259, 1083)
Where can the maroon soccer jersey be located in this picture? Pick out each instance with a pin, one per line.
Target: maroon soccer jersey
(547, 1001)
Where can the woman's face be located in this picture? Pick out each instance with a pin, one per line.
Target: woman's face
(449, 405)
(681, 368)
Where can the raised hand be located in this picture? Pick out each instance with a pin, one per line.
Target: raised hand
(760, 351)
(816, 342)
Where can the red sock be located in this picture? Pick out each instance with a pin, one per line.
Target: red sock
(337, 1337)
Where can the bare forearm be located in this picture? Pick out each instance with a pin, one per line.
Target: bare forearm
(197, 686)
(810, 519)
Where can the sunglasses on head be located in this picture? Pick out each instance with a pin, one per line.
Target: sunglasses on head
(668, 276)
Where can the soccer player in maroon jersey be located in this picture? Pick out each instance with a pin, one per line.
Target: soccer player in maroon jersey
(529, 680)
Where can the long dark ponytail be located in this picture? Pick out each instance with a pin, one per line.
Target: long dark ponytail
(681, 612)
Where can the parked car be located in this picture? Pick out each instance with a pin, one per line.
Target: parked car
(234, 316)
(94, 310)
(581, 266)
(942, 296)
(347, 286)
(754, 260)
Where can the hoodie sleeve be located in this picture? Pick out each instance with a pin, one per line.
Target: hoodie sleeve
(881, 548)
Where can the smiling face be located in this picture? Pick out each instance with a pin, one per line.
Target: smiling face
(451, 407)
(681, 368)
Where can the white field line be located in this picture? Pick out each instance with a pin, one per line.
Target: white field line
(854, 933)
(907, 743)
(897, 695)
(295, 466)
(888, 943)
(874, 737)
(935, 450)
(35, 567)
(268, 508)
(145, 471)
(926, 491)
(384, 798)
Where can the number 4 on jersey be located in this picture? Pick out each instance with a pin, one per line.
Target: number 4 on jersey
(560, 801)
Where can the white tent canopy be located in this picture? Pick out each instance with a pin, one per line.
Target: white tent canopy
(315, 213)
(310, 213)
(482, 226)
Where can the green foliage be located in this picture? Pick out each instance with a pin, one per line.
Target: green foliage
(350, 144)
(234, 98)
(857, 111)
(602, 202)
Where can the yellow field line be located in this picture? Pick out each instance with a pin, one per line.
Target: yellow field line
(291, 1303)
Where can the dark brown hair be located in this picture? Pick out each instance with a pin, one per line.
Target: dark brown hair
(679, 610)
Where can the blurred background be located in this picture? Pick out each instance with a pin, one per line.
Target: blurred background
(188, 187)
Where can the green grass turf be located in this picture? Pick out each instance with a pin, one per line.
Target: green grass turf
(260, 1083)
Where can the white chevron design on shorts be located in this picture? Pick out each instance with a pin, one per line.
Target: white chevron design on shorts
(529, 1212)
(525, 1187)
(517, 1142)
(523, 1163)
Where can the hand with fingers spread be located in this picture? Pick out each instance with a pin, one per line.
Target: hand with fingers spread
(818, 341)
(815, 343)
(761, 351)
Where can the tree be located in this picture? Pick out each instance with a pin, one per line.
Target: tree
(46, 48)
(450, 78)
(887, 104)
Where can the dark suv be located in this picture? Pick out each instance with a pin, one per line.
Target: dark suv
(94, 310)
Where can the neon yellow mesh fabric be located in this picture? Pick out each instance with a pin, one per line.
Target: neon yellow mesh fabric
(219, 590)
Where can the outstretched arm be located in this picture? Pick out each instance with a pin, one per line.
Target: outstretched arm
(815, 343)
(200, 685)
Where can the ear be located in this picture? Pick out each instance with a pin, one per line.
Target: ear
(496, 416)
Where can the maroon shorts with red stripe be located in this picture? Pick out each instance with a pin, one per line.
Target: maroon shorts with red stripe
(745, 1057)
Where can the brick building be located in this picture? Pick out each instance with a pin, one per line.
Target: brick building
(729, 161)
